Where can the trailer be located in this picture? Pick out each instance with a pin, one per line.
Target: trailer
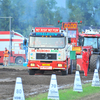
(13, 41)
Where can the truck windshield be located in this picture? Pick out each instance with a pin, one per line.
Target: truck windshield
(48, 42)
(72, 33)
(90, 41)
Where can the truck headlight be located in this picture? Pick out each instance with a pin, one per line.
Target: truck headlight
(59, 65)
(32, 64)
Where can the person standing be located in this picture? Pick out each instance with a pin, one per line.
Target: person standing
(85, 60)
(6, 56)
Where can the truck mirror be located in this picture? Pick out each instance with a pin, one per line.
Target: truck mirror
(69, 40)
(25, 41)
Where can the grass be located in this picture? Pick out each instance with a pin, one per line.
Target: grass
(69, 94)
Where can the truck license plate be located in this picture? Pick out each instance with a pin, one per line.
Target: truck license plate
(46, 67)
(45, 64)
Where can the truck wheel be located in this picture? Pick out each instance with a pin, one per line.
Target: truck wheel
(70, 70)
(19, 60)
(64, 72)
(31, 72)
(94, 62)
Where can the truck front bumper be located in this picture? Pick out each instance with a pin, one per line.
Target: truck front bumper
(53, 65)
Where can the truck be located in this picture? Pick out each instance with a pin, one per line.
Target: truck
(13, 41)
(73, 39)
(47, 51)
(91, 38)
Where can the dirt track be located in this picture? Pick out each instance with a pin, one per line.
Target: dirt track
(32, 84)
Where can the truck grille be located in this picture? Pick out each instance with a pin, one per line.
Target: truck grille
(48, 56)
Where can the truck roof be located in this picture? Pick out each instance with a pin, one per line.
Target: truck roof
(89, 35)
(48, 32)
(8, 33)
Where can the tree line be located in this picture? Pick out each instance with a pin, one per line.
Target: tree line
(40, 13)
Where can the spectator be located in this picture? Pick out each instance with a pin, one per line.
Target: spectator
(85, 62)
(6, 56)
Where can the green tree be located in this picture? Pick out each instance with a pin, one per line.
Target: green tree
(57, 17)
(17, 11)
(82, 10)
(5, 6)
(31, 13)
(94, 10)
(44, 13)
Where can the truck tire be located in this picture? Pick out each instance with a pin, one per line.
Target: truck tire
(31, 72)
(64, 72)
(94, 62)
(70, 70)
(19, 60)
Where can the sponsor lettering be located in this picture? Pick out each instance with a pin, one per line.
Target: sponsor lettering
(70, 25)
(43, 50)
(43, 29)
